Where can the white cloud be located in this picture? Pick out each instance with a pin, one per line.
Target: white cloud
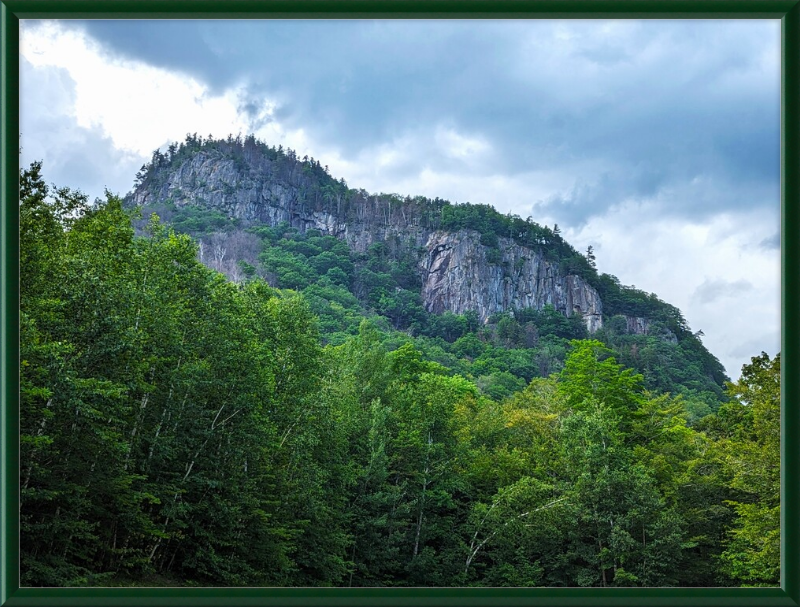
(137, 106)
(457, 145)
(78, 157)
(714, 289)
(681, 262)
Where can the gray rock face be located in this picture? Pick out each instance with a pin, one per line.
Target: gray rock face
(458, 277)
(458, 272)
(254, 194)
(637, 325)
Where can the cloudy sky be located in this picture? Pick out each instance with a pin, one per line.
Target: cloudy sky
(656, 142)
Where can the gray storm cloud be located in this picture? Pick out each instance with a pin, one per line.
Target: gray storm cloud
(651, 104)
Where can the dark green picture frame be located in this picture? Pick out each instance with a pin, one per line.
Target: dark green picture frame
(786, 10)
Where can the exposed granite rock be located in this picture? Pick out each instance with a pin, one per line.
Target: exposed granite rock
(458, 272)
(254, 194)
(458, 277)
(637, 325)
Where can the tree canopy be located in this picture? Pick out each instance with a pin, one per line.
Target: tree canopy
(179, 428)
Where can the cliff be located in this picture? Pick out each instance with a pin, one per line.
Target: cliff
(459, 269)
(457, 276)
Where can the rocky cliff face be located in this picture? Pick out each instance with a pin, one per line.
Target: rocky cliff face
(458, 277)
(256, 193)
(637, 325)
(458, 273)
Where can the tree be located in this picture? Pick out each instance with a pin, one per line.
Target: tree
(592, 375)
(590, 257)
(752, 555)
(508, 519)
(635, 537)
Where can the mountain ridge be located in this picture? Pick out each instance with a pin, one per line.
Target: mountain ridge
(522, 264)
(453, 258)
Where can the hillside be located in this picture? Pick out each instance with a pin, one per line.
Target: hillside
(262, 211)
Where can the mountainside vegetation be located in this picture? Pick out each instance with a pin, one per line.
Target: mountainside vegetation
(383, 281)
(308, 424)
(255, 160)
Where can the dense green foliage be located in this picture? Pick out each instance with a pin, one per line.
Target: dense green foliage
(181, 427)
(343, 287)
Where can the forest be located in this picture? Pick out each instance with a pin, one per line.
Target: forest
(383, 284)
(309, 424)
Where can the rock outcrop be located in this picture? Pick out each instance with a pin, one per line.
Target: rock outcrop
(256, 193)
(638, 325)
(457, 272)
(458, 277)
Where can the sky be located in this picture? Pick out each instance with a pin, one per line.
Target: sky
(657, 142)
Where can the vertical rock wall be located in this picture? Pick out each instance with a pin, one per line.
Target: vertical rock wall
(459, 276)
